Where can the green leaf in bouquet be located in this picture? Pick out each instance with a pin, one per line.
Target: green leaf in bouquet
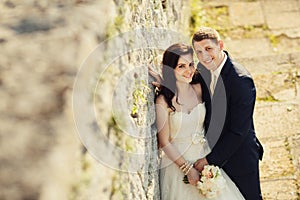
(185, 179)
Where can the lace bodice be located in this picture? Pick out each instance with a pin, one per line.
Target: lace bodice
(183, 125)
(187, 132)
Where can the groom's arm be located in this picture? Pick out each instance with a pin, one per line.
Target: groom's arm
(238, 122)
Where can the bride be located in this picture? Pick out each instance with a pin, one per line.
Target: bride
(180, 114)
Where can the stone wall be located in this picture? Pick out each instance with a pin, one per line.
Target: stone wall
(49, 45)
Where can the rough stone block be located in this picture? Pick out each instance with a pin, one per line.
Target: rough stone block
(295, 151)
(279, 6)
(291, 33)
(266, 65)
(246, 13)
(283, 20)
(278, 85)
(276, 153)
(279, 190)
(246, 48)
(276, 119)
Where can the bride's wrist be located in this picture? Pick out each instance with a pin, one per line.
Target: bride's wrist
(186, 167)
(188, 170)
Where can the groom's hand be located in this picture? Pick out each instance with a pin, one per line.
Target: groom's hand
(200, 163)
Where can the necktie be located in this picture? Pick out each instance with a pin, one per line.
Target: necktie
(213, 83)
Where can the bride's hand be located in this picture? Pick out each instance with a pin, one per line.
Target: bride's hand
(193, 176)
(156, 76)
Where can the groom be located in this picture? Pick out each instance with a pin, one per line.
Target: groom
(229, 95)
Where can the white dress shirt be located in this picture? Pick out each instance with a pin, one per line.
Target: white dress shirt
(216, 73)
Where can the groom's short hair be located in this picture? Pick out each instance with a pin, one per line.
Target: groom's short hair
(206, 33)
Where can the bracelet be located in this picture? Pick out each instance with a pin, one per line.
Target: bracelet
(183, 166)
(190, 167)
(186, 167)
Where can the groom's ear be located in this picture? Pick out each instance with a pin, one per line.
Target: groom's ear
(221, 44)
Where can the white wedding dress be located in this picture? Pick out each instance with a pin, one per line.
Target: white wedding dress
(182, 127)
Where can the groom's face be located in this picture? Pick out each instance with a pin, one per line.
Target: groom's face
(209, 53)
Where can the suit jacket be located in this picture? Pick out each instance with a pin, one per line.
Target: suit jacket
(229, 119)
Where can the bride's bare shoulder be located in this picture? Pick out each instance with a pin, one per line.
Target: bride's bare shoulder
(161, 104)
(161, 101)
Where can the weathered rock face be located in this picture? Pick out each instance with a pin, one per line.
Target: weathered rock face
(43, 44)
(123, 97)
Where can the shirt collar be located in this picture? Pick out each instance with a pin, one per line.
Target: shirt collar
(217, 72)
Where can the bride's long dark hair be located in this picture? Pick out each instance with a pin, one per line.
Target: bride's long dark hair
(169, 63)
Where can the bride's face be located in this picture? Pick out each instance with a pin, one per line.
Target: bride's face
(185, 68)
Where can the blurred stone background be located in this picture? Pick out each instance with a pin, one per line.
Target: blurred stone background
(42, 45)
(45, 42)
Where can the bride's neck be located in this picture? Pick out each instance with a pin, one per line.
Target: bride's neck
(183, 88)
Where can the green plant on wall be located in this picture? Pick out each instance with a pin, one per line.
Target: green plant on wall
(216, 17)
(273, 39)
(140, 101)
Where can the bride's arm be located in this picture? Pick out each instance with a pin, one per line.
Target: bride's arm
(162, 122)
(156, 76)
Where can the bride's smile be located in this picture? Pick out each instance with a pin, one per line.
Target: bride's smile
(185, 68)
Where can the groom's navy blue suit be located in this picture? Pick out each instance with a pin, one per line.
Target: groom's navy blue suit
(229, 126)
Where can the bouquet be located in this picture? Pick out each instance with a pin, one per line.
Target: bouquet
(211, 181)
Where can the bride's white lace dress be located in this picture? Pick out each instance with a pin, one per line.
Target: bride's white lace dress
(182, 127)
